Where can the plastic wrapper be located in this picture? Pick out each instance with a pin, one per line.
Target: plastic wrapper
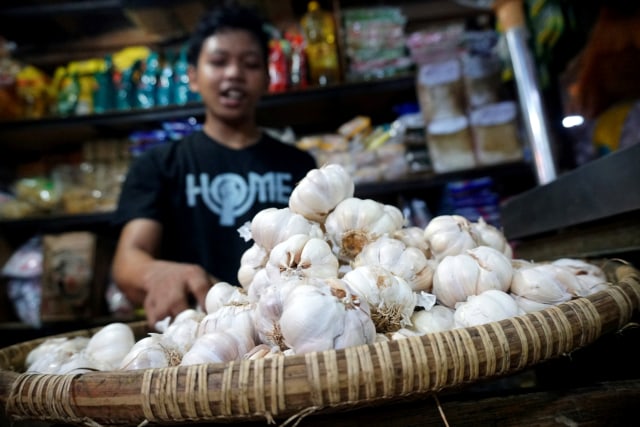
(24, 289)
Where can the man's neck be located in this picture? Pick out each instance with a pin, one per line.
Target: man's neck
(235, 138)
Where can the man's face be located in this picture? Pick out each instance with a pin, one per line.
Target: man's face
(231, 75)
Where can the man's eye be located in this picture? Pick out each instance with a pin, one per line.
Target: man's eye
(253, 64)
(218, 62)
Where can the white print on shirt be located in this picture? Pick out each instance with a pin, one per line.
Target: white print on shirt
(230, 195)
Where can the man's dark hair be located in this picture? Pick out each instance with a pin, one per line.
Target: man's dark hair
(234, 17)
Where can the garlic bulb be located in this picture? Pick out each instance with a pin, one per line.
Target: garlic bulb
(223, 293)
(60, 347)
(471, 273)
(356, 222)
(301, 256)
(50, 355)
(236, 316)
(252, 260)
(110, 344)
(413, 237)
(80, 363)
(320, 191)
(181, 333)
(591, 277)
(390, 298)
(407, 262)
(269, 309)
(216, 347)
(314, 319)
(545, 283)
(489, 235)
(489, 306)
(150, 352)
(450, 235)
(438, 318)
(271, 226)
(259, 283)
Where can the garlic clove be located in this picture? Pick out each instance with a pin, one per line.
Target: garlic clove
(252, 260)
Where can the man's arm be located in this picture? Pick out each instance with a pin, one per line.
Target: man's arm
(163, 288)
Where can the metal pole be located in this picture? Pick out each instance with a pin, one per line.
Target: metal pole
(510, 14)
(531, 105)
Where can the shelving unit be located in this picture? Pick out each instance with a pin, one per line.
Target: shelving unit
(308, 111)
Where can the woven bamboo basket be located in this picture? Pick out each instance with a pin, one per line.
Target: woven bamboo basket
(286, 388)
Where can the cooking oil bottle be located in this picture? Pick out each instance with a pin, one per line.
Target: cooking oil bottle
(322, 53)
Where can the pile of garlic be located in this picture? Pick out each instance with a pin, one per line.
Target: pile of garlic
(332, 271)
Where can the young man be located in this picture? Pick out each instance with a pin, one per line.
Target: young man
(183, 202)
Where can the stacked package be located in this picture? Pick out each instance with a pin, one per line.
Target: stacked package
(375, 43)
(458, 86)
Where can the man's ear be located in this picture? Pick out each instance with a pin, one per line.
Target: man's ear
(191, 73)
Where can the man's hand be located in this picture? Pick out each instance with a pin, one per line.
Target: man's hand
(173, 287)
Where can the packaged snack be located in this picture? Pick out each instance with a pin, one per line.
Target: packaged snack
(450, 144)
(495, 133)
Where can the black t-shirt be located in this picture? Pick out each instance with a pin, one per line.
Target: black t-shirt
(202, 192)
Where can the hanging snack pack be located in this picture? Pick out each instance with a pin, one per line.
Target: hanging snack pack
(67, 276)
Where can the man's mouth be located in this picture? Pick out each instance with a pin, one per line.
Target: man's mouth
(233, 94)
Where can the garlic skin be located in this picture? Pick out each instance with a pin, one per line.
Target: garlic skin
(356, 222)
(271, 226)
(437, 319)
(408, 263)
(545, 283)
(301, 256)
(252, 260)
(110, 344)
(489, 306)
(390, 298)
(450, 235)
(320, 191)
(490, 235)
(471, 273)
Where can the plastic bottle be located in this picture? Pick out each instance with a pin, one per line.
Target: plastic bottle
(322, 54)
